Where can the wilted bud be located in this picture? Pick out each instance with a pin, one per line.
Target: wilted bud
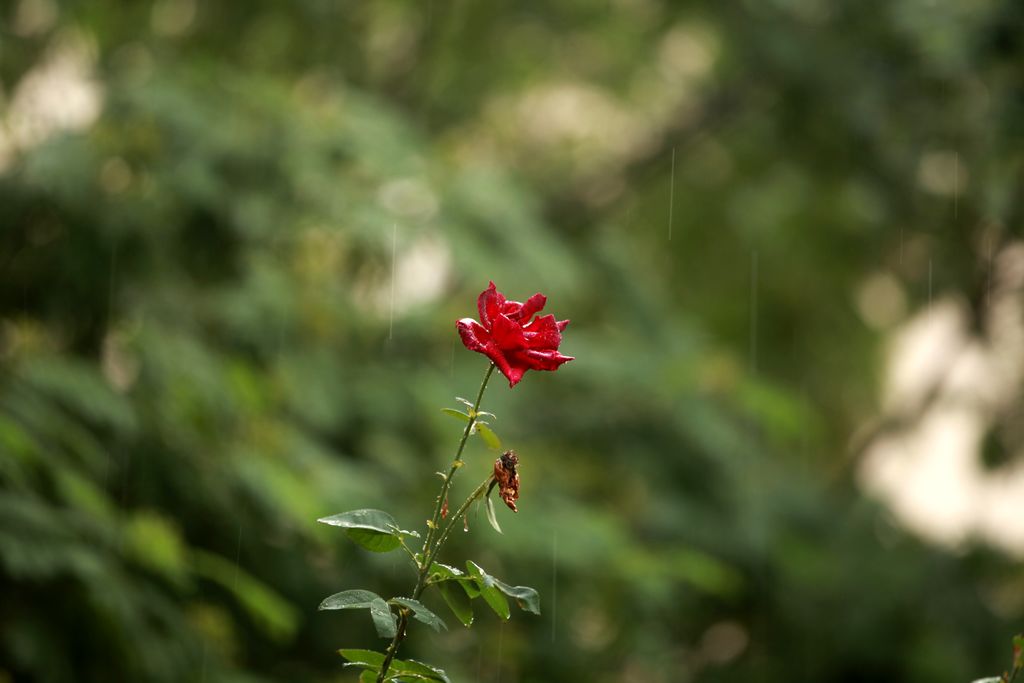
(507, 477)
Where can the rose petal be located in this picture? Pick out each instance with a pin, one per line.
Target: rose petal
(562, 324)
(543, 360)
(483, 301)
(489, 303)
(514, 374)
(533, 305)
(507, 334)
(501, 359)
(519, 312)
(511, 309)
(476, 338)
(542, 333)
(473, 334)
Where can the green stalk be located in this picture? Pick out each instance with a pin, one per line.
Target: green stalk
(459, 514)
(429, 552)
(456, 464)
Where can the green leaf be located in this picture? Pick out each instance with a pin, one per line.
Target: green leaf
(526, 598)
(1018, 652)
(398, 670)
(374, 541)
(470, 588)
(368, 676)
(442, 572)
(421, 613)
(457, 601)
(350, 599)
(367, 658)
(490, 515)
(991, 679)
(383, 619)
(457, 414)
(417, 671)
(374, 530)
(488, 435)
(492, 596)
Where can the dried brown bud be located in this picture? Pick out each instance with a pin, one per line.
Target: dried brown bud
(444, 508)
(508, 478)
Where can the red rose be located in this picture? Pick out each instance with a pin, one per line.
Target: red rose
(507, 336)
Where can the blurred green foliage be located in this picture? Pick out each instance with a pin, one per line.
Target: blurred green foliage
(228, 302)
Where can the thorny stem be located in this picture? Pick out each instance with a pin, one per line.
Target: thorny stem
(429, 552)
(456, 463)
(459, 514)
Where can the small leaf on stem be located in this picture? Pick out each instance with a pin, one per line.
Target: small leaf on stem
(457, 601)
(372, 661)
(526, 598)
(490, 515)
(350, 599)
(383, 619)
(488, 435)
(421, 613)
(443, 572)
(374, 530)
(367, 658)
(491, 595)
(457, 414)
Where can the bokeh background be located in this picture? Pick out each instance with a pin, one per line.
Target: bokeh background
(236, 237)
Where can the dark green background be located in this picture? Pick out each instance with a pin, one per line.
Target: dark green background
(199, 353)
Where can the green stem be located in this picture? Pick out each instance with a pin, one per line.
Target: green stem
(459, 514)
(456, 464)
(429, 551)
